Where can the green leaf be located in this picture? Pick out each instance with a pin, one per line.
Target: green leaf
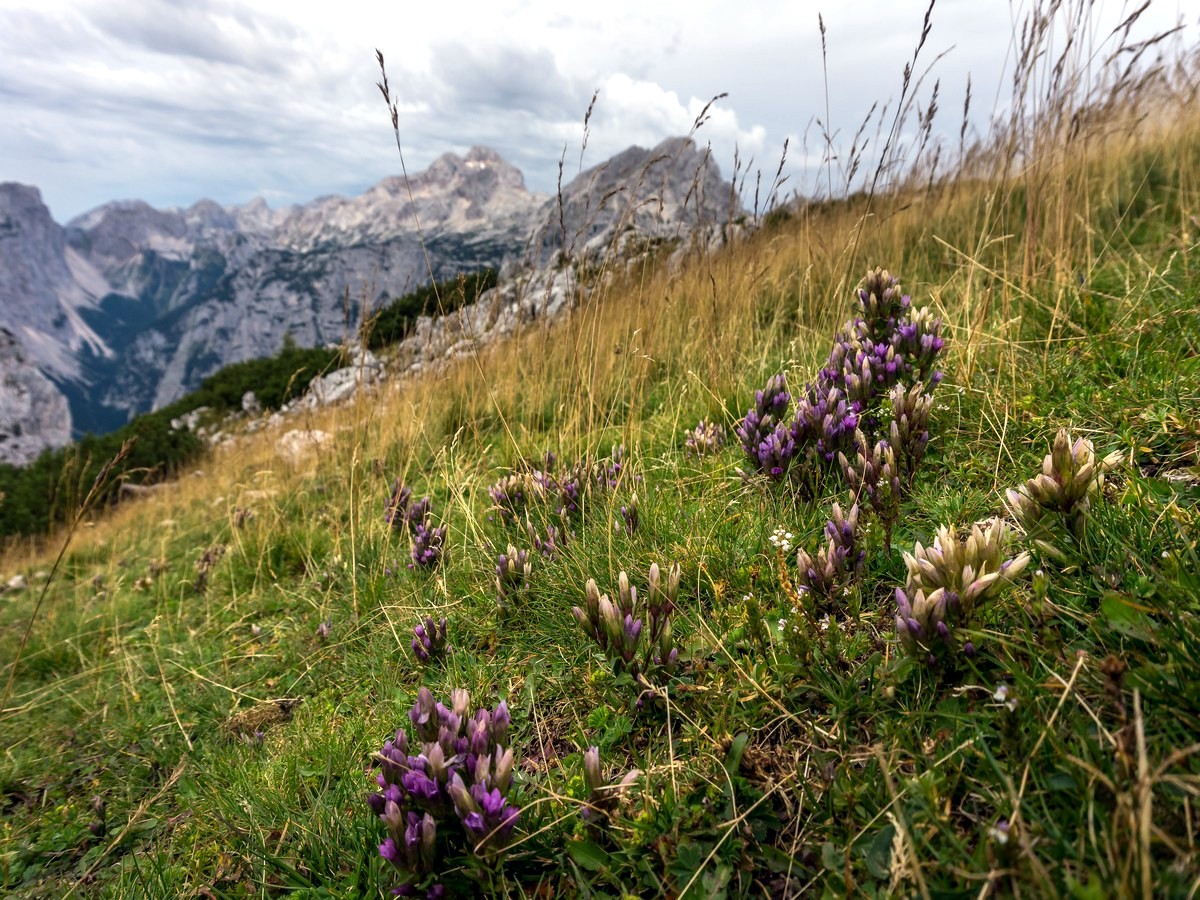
(588, 855)
(1126, 616)
(879, 854)
(715, 884)
(733, 759)
(1061, 781)
(831, 857)
(778, 861)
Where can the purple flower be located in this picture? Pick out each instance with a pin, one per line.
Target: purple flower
(765, 441)
(429, 640)
(389, 851)
(707, 437)
(423, 715)
(828, 576)
(490, 825)
(602, 797)
(501, 719)
(427, 545)
(457, 783)
(910, 427)
(512, 576)
(510, 495)
(629, 515)
(635, 640)
(396, 509)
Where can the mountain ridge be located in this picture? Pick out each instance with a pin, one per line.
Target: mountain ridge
(126, 307)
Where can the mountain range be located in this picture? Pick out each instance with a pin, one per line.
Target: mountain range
(126, 308)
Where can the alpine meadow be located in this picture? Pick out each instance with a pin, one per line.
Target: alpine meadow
(852, 552)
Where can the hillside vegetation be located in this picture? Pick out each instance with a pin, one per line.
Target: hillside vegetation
(49, 491)
(199, 702)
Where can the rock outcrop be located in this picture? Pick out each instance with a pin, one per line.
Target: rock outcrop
(34, 415)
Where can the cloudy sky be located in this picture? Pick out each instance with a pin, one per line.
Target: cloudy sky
(174, 100)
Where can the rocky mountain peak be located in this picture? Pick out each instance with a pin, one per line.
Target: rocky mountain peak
(112, 234)
(478, 192)
(256, 217)
(208, 215)
(660, 192)
(129, 307)
(24, 215)
(13, 194)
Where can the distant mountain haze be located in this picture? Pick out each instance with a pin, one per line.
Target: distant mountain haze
(126, 308)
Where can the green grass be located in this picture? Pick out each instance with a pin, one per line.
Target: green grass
(852, 771)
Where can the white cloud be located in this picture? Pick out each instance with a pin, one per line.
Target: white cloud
(172, 101)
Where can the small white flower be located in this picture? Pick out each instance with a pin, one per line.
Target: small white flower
(999, 832)
(1166, 554)
(782, 539)
(1002, 696)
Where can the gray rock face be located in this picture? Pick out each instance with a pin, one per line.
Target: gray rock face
(34, 415)
(479, 196)
(658, 194)
(129, 307)
(44, 285)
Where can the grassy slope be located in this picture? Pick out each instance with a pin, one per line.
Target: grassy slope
(1070, 295)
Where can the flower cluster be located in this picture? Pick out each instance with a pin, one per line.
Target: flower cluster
(889, 344)
(947, 582)
(567, 489)
(563, 491)
(909, 430)
(781, 539)
(629, 515)
(602, 796)
(428, 545)
(449, 785)
(766, 438)
(634, 644)
(429, 640)
(874, 478)
(838, 564)
(402, 514)
(707, 437)
(511, 494)
(512, 576)
(1072, 477)
(607, 472)
(825, 422)
(550, 545)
